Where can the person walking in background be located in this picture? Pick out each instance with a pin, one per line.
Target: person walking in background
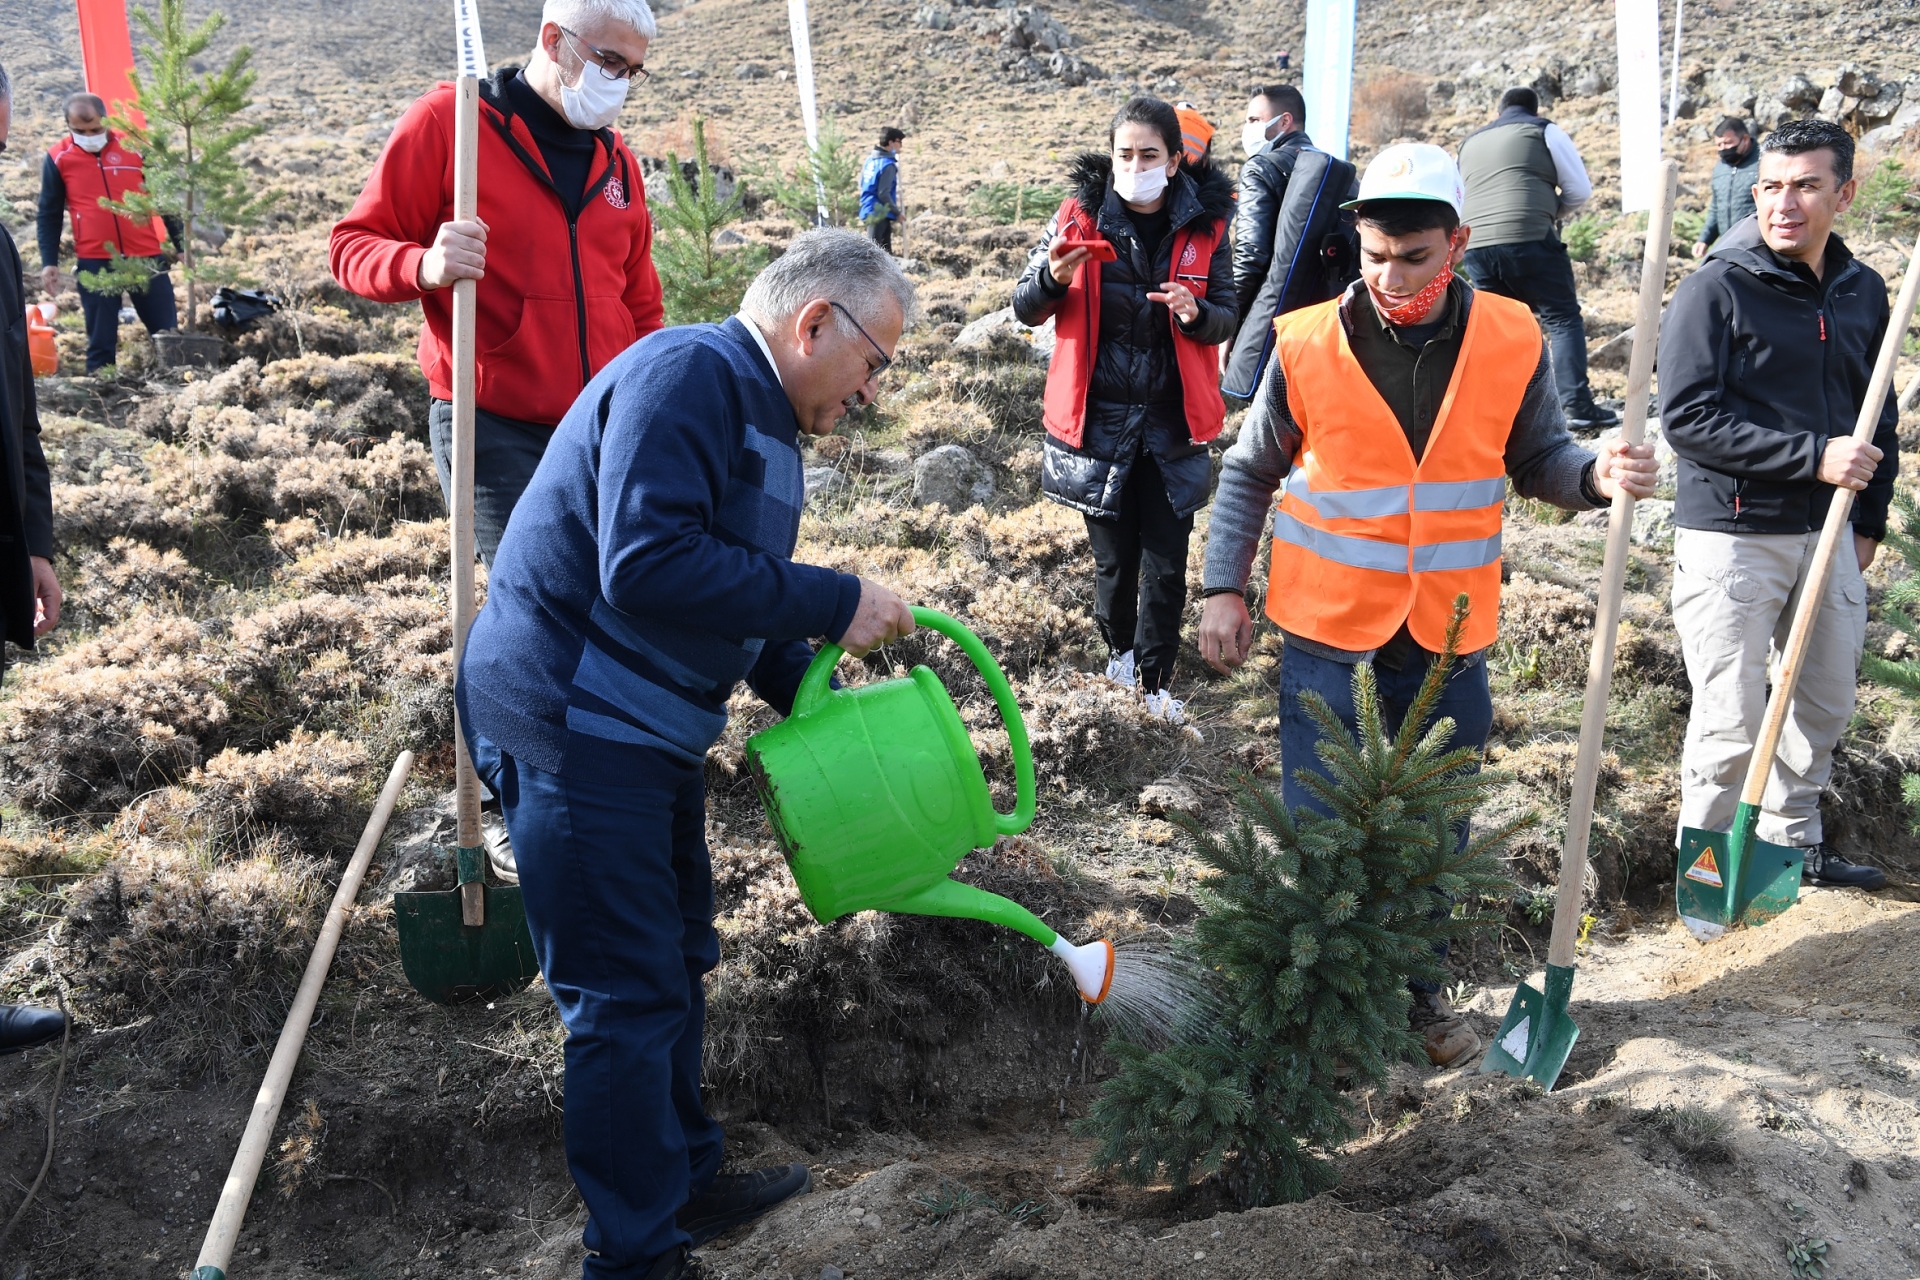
(648, 572)
(1396, 416)
(1133, 392)
(1523, 176)
(563, 196)
(1765, 358)
(880, 188)
(1734, 174)
(29, 589)
(88, 165)
(1292, 244)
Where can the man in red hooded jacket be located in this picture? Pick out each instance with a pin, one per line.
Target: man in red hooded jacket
(571, 282)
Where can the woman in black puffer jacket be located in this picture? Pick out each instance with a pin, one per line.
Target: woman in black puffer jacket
(1133, 394)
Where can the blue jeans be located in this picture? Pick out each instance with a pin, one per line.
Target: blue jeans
(154, 305)
(1539, 274)
(619, 898)
(506, 452)
(1465, 699)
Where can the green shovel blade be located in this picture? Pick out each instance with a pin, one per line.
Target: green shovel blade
(1734, 878)
(1537, 1034)
(449, 962)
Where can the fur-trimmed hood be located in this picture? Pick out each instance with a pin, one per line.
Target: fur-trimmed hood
(1195, 193)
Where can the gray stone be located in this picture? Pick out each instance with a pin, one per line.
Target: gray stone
(1166, 796)
(952, 477)
(824, 482)
(831, 1272)
(727, 235)
(749, 71)
(980, 335)
(1856, 81)
(1652, 523)
(1770, 113)
(1833, 104)
(1591, 83)
(1798, 92)
(934, 17)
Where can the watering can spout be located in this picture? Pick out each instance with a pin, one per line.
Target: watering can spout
(1091, 965)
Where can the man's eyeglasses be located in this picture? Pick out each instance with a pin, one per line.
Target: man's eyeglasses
(885, 360)
(612, 65)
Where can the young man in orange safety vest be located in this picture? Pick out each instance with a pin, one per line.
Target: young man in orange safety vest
(1395, 415)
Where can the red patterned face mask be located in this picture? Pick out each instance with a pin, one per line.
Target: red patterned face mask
(1415, 309)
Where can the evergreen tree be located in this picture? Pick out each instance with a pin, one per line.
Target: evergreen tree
(186, 143)
(700, 280)
(1897, 609)
(833, 165)
(1311, 927)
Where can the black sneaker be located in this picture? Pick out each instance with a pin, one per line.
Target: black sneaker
(1825, 867)
(736, 1198)
(1593, 417)
(677, 1265)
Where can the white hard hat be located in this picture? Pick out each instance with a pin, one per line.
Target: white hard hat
(1411, 171)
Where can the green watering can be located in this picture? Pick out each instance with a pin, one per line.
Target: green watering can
(875, 795)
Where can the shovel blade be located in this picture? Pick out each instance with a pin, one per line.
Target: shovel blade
(1727, 879)
(1537, 1034)
(449, 962)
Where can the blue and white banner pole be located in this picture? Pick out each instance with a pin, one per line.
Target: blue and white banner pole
(809, 111)
(1326, 79)
(1637, 89)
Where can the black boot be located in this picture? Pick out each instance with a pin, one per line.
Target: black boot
(22, 1026)
(678, 1265)
(1825, 867)
(737, 1198)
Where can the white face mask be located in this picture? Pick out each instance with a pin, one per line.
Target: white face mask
(94, 143)
(595, 103)
(1142, 187)
(1253, 135)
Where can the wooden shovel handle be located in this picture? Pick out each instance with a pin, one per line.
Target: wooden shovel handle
(466, 140)
(1831, 535)
(1613, 578)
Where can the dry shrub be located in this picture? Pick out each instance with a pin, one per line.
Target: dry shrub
(413, 549)
(1037, 539)
(1388, 106)
(128, 576)
(1088, 732)
(937, 422)
(339, 400)
(115, 714)
(117, 505)
(1022, 625)
(395, 480)
(197, 961)
(305, 784)
(1553, 620)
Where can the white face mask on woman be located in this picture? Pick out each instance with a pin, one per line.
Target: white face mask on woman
(596, 101)
(94, 143)
(1141, 187)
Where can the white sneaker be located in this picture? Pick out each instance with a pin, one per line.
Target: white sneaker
(1120, 670)
(1162, 705)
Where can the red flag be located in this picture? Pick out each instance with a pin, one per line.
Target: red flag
(106, 46)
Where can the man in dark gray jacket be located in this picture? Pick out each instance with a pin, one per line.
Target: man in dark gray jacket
(1765, 359)
(1733, 177)
(1523, 178)
(1273, 136)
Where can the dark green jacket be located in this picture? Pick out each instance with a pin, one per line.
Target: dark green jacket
(1732, 195)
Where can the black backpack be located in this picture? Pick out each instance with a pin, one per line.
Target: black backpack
(1315, 256)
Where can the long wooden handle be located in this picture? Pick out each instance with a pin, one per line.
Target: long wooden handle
(1831, 535)
(466, 200)
(1613, 579)
(217, 1249)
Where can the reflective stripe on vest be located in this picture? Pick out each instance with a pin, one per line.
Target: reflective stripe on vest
(1366, 537)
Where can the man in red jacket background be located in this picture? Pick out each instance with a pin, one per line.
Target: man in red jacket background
(570, 284)
(90, 164)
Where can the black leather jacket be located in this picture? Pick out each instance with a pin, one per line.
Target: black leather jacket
(1263, 185)
(1134, 398)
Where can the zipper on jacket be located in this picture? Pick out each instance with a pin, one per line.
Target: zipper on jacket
(1821, 313)
(579, 294)
(107, 187)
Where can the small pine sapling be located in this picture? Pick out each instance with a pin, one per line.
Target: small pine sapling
(1897, 610)
(1311, 928)
(701, 280)
(829, 176)
(186, 142)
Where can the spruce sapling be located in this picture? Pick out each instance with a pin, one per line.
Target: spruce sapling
(1311, 928)
(700, 280)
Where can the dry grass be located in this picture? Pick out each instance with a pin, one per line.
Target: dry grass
(1388, 107)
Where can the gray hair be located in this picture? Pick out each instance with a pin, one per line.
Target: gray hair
(578, 15)
(94, 104)
(840, 266)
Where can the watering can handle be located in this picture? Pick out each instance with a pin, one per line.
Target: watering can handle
(814, 688)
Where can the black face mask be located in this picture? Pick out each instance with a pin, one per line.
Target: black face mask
(1732, 156)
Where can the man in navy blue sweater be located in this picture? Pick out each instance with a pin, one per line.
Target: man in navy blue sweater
(645, 573)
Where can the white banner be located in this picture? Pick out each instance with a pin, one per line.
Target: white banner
(471, 54)
(1637, 87)
(809, 112)
(1326, 77)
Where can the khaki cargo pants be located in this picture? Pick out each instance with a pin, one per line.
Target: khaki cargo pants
(1734, 596)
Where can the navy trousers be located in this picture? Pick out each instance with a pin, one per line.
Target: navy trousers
(154, 305)
(619, 897)
(1465, 699)
(1541, 275)
(506, 452)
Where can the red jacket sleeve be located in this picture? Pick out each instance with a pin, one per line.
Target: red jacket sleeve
(642, 295)
(375, 250)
